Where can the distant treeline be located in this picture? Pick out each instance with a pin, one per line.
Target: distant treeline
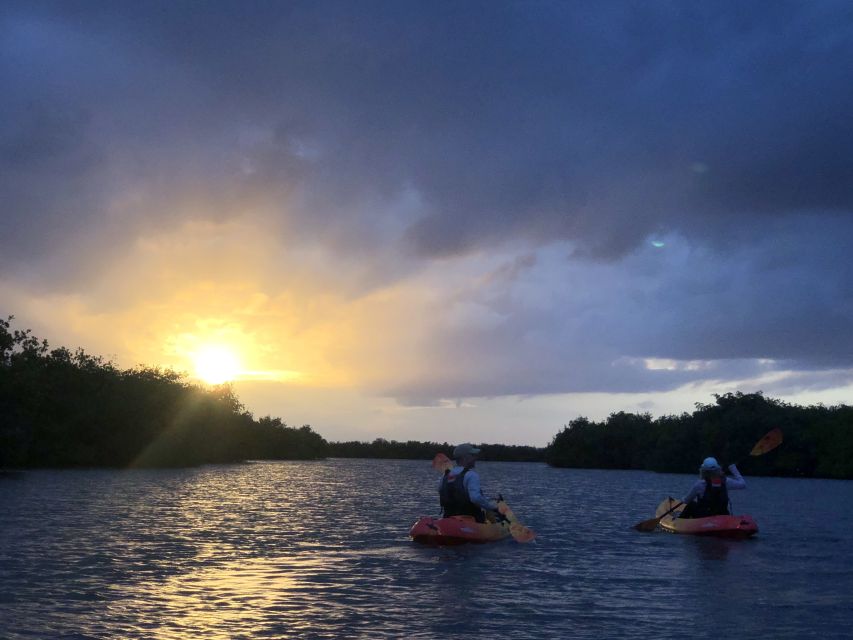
(818, 440)
(60, 408)
(414, 450)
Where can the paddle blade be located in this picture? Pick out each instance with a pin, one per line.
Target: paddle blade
(442, 463)
(769, 442)
(647, 525)
(519, 532)
(664, 508)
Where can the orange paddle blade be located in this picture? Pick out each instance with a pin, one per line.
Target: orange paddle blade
(769, 442)
(442, 463)
(519, 532)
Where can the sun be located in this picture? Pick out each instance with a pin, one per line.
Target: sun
(216, 364)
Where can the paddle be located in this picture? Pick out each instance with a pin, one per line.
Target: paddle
(442, 463)
(518, 531)
(768, 442)
(652, 523)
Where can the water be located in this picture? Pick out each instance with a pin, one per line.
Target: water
(320, 550)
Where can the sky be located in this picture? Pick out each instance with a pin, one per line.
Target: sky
(439, 221)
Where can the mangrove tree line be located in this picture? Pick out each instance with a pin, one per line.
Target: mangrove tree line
(818, 440)
(60, 408)
(418, 450)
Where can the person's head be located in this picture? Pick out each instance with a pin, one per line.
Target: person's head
(465, 454)
(710, 468)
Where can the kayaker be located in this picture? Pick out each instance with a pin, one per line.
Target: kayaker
(709, 496)
(459, 489)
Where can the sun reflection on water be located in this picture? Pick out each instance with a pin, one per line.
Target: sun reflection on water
(215, 601)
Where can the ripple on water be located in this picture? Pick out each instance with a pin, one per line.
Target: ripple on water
(319, 549)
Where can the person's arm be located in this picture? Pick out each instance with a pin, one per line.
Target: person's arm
(695, 490)
(475, 494)
(735, 481)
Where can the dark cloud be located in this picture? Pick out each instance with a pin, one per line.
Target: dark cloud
(783, 296)
(655, 321)
(389, 131)
(46, 169)
(540, 121)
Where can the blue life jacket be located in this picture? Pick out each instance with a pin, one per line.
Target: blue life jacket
(454, 497)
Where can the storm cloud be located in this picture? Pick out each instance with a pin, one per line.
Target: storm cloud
(653, 181)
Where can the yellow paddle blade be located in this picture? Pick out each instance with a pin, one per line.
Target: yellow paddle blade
(670, 505)
(769, 442)
(442, 463)
(519, 532)
(665, 506)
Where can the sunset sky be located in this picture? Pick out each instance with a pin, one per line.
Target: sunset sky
(456, 221)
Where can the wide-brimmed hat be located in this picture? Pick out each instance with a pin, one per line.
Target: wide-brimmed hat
(466, 449)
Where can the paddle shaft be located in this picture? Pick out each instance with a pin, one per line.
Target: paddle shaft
(675, 506)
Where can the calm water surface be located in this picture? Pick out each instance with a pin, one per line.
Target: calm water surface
(320, 550)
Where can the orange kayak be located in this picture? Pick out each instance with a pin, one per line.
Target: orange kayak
(457, 530)
(718, 526)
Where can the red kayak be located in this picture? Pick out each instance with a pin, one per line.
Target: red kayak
(458, 530)
(717, 526)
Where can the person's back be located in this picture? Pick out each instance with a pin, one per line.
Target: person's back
(453, 494)
(709, 495)
(459, 489)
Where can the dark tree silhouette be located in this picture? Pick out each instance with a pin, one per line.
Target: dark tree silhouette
(60, 408)
(414, 450)
(818, 439)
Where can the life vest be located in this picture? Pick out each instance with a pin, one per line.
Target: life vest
(715, 500)
(454, 497)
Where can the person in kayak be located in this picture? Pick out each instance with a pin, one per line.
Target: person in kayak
(459, 490)
(709, 496)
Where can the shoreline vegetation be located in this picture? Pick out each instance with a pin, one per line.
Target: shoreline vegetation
(60, 408)
(68, 409)
(818, 440)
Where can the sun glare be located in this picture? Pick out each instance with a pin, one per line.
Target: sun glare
(216, 364)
